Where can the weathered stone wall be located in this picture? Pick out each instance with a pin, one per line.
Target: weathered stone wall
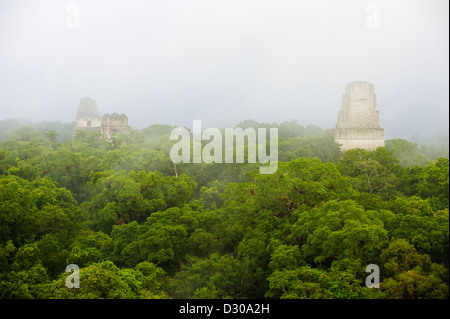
(114, 125)
(89, 119)
(358, 124)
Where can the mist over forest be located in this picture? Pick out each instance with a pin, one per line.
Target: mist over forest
(93, 204)
(224, 62)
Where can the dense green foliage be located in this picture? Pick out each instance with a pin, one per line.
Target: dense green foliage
(139, 226)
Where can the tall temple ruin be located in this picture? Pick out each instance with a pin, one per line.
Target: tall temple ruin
(358, 124)
(89, 119)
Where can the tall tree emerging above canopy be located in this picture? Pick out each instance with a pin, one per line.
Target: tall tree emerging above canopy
(372, 172)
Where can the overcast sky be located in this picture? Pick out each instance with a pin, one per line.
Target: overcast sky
(174, 61)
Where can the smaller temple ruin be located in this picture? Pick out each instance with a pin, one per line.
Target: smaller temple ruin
(114, 124)
(89, 119)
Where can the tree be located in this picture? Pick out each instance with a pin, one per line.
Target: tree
(211, 194)
(51, 135)
(140, 227)
(410, 275)
(336, 231)
(298, 182)
(435, 180)
(86, 248)
(300, 283)
(106, 281)
(406, 152)
(32, 283)
(372, 172)
(286, 257)
(17, 212)
(425, 228)
(290, 129)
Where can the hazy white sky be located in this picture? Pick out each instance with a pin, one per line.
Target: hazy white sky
(223, 61)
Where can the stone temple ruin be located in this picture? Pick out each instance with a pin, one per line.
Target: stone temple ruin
(89, 119)
(358, 124)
